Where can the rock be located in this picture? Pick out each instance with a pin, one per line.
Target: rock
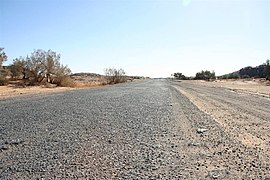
(194, 144)
(3, 147)
(201, 130)
(213, 174)
(15, 142)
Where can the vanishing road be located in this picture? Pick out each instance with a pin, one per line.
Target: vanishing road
(151, 129)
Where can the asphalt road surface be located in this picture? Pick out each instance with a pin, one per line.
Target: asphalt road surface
(139, 130)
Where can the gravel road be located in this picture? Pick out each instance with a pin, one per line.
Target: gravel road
(151, 129)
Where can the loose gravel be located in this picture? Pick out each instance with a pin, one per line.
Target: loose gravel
(140, 130)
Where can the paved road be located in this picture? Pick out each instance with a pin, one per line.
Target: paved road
(140, 130)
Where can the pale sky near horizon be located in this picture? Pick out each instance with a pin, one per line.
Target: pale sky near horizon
(152, 38)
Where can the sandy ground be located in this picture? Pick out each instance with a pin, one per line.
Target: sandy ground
(256, 86)
(241, 108)
(240, 103)
(12, 91)
(82, 80)
(15, 89)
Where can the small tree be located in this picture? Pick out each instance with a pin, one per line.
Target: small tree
(34, 62)
(267, 69)
(20, 68)
(3, 56)
(115, 76)
(205, 75)
(51, 65)
(179, 76)
(3, 73)
(40, 66)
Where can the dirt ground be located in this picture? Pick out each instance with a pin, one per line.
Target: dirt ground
(15, 88)
(82, 80)
(241, 108)
(252, 86)
(13, 91)
(206, 96)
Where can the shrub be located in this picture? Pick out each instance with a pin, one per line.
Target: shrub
(233, 76)
(245, 76)
(115, 76)
(65, 81)
(3, 81)
(180, 76)
(205, 75)
(267, 69)
(40, 66)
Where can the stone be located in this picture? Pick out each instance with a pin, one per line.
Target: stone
(201, 130)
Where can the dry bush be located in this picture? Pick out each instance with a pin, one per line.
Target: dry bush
(3, 81)
(65, 81)
(115, 76)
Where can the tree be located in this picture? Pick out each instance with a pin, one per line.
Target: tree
(20, 68)
(115, 76)
(51, 64)
(267, 69)
(46, 65)
(234, 76)
(3, 56)
(179, 76)
(205, 75)
(41, 65)
(255, 72)
(34, 62)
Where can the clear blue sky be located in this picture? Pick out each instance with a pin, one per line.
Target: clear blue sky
(144, 37)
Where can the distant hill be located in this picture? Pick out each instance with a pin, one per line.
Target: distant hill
(247, 72)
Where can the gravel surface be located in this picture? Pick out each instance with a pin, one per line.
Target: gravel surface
(140, 130)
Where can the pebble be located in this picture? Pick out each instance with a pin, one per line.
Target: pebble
(201, 130)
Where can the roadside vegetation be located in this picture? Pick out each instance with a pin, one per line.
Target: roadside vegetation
(267, 69)
(41, 67)
(180, 76)
(3, 73)
(203, 75)
(44, 68)
(115, 76)
(261, 71)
